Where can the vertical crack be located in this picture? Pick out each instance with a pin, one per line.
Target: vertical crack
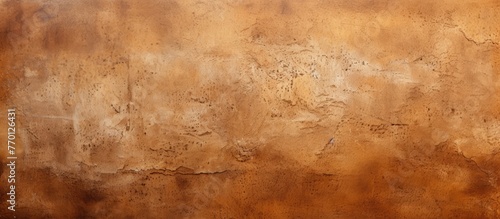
(129, 93)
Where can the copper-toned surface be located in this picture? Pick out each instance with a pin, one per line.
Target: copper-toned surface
(252, 109)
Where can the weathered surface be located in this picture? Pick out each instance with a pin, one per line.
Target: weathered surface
(226, 109)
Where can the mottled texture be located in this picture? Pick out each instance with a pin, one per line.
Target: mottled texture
(226, 109)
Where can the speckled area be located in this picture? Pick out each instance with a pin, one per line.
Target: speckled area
(252, 109)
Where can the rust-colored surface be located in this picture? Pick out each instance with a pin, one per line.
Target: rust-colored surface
(252, 109)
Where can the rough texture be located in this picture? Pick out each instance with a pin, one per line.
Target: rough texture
(227, 109)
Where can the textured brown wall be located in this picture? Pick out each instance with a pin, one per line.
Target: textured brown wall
(224, 109)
